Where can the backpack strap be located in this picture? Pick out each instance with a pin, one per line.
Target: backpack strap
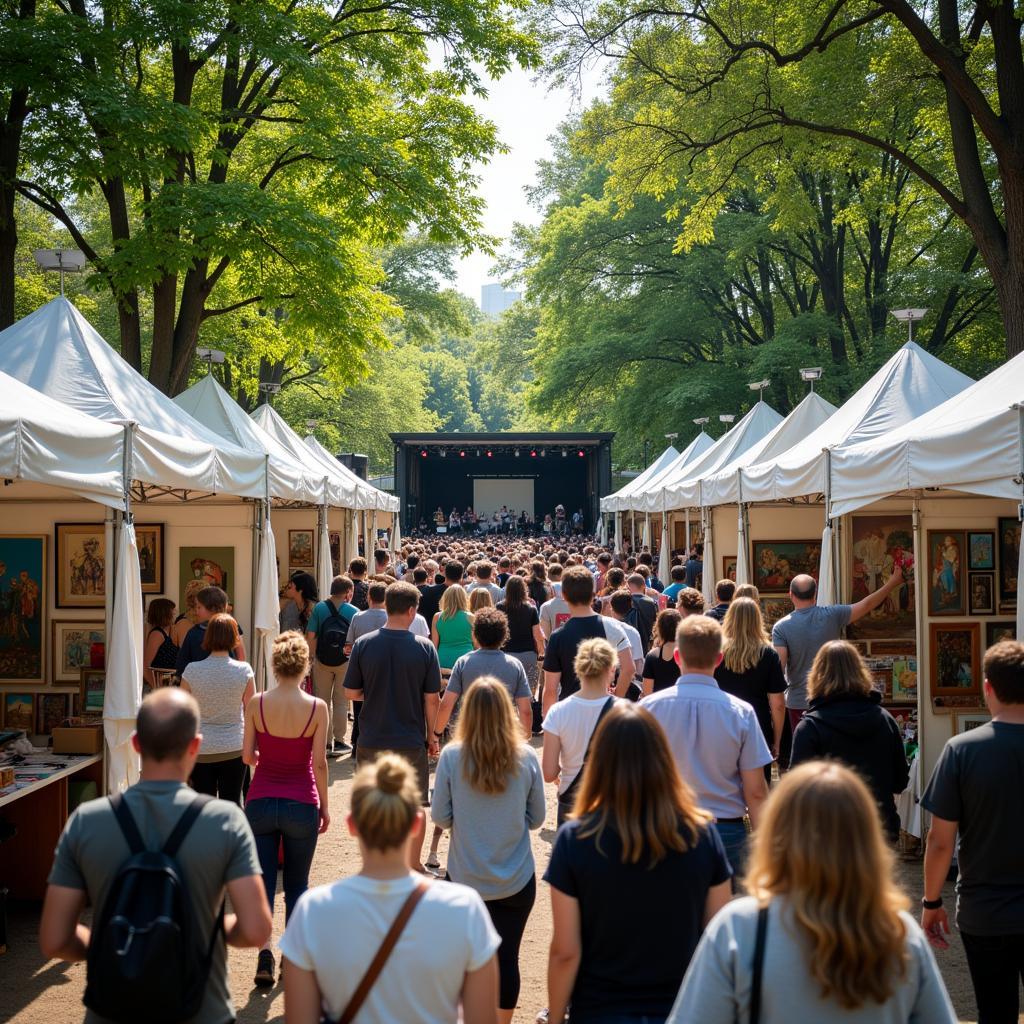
(185, 822)
(571, 788)
(758, 966)
(129, 829)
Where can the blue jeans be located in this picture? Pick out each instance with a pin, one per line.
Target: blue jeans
(295, 825)
(734, 839)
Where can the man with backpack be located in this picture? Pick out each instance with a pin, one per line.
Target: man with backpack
(645, 609)
(154, 863)
(327, 635)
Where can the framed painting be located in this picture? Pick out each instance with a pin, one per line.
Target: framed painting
(19, 711)
(894, 648)
(773, 609)
(981, 593)
(776, 562)
(300, 549)
(997, 632)
(80, 567)
(23, 600)
(51, 710)
(1009, 559)
(150, 540)
(904, 679)
(981, 550)
(879, 543)
(77, 645)
(91, 689)
(956, 659)
(965, 721)
(729, 568)
(860, 646)
(335, 552)
(204, 567)
(946, 590)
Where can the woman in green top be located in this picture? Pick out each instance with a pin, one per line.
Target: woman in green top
(452, 628)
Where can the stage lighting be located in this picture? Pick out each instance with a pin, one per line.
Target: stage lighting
(488, 453)
(423, 453)
(443, 453)
(565, 454)
(581, 453)
(516, 453)
(478, 453)
(543, 453)
(533, 453)
(462, 454)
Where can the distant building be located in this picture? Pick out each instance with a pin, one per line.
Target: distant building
(494, 299)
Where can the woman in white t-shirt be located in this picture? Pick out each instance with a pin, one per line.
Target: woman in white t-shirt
(445, 955)
(570, 723)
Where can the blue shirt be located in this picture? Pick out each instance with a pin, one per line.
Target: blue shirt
(672, 591)
(714, 737)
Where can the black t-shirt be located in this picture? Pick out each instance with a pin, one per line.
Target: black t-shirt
(639, 925)
(539, 592)
(754, 685)
(521, 621)
(664, 673)
(977, 783)
(360, 594)
(430, 601)
(564, 642)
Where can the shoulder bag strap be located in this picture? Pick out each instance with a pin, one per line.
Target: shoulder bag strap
(378, 962)
(129, 829)
(758, 967)
(605, 708)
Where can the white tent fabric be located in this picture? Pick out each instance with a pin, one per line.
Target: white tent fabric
(324, 569)
(635, 486)
(637, 499)
(664, 556)
(56, 351)
(742, 546)
(353, 538)
(618, 531)
(826, 568)
(684, 489)
(909, 384)
(396, 537)
(724, 486)
(288, 479)
(266, 607)
(124, 663)
(599, 536)
(646, 535)
(709, 577)
(371, 497)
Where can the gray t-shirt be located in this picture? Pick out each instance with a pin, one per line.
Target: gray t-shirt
(470, 667)
(803, 633)
(218, 849)
(976, 783)
(218, 684)
(497, 594)
(365, 622)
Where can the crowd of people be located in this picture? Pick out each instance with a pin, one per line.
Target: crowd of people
(504, 520)
(725, 805)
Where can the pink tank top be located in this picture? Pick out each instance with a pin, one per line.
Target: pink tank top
(285, 769)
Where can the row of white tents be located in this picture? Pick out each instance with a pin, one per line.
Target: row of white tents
(78, 422)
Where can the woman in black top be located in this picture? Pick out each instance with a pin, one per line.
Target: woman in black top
(525, 640)
(160, 650)
(537, 587)
(660, 668)
(751, 670)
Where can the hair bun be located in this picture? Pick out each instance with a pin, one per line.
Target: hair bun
(390, 776)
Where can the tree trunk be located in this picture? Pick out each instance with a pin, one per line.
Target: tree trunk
(1010, 293)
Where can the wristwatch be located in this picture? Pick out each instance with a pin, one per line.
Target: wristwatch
(931, 904)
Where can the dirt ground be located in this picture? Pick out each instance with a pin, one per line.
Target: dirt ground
(36, 991)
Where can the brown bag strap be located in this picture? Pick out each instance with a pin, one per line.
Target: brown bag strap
(378, 962)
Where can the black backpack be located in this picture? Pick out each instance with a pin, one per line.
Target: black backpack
(331, 640)
(146, 957)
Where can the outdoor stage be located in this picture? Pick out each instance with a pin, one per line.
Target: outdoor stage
(527, 471)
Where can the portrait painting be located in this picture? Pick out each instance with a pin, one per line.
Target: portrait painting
(879, 543)
(946, 578)
(77, 645)
(981, 549)
(23, 602)
(19, 711)
(997, 632)
(773, 609)
(51, 710)
(92, 687)
(150, 540)
(204, 567)
(981, 593)
(955, 658)
(335, 552)
(904, 679)
(729, 568)
(1009, 561)
(300, 549)
(81, 565)
(776, 562)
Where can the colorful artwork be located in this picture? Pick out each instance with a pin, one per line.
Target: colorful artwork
(19, 711)
(81, 565)
(1009, 561)
(22, 608)
(204, 567)
(335, 552)
(904, 679)
(773, 609)
(879, 543)
(150, 540)
(51, 710)
(955, 658)
(729, 568)
(776, 562)
(981, 592)
(982, 550)
(73, 646)
(997, 632)
(300, 549)
(946, 590)
(92, 687)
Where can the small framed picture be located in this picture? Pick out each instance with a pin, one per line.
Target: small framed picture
(51, 710)
(904, 679)
(149, 537)
(946, 576)
(729, 568)
(981, 592)
(77, 645)
(955, 660)
(81, 565)
(91, 690)
(965, 721)
(981, 550)
(19, 711)
(300, 549)
(997, 632)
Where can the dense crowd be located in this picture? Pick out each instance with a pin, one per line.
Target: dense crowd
(726, 806)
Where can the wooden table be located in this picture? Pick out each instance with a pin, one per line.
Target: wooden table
(39, 811)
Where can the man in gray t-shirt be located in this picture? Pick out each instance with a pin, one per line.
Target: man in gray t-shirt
(800, 635)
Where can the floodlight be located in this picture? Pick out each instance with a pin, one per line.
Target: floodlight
(674, 436)
(702, 421)
(910, 317)
(760, 386)
(211, 355)
(726, 417)
(269, 388)
(66, 261)
(811, 373)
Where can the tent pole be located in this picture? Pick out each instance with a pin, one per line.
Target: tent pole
(1020, 519)
(919, 627)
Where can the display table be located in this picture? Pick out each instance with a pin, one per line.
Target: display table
(36, 804)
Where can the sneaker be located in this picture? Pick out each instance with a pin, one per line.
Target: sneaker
(264, 977)
(432, 861)
(542, 1016)
(341, 748)
(334, 751)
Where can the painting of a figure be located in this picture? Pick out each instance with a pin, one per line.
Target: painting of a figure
(1009, 561)
(946, 590)
(955, 658)
(205, 567)
(22, 608)
(81, 565)
(150, 540)
(776, 562)
(879, 544)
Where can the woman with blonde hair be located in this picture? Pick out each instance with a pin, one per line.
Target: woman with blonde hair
(846, 721)
(751, 670)
(837, 943)
(635, 876)
(444, 957)
(480, 598)
(452, 627)
(660, 668)
(747, 590)
(488, 790)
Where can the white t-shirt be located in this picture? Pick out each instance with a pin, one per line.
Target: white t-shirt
(634, 641)
(419, 626)
(572, 720)
(449, 934)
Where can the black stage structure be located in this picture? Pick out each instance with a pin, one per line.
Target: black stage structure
(574, 470)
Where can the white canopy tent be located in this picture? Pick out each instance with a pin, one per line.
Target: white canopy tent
(610, 503)
(635, 500)
(370, 497)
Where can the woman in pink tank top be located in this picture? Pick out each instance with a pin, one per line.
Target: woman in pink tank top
(286, 744)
